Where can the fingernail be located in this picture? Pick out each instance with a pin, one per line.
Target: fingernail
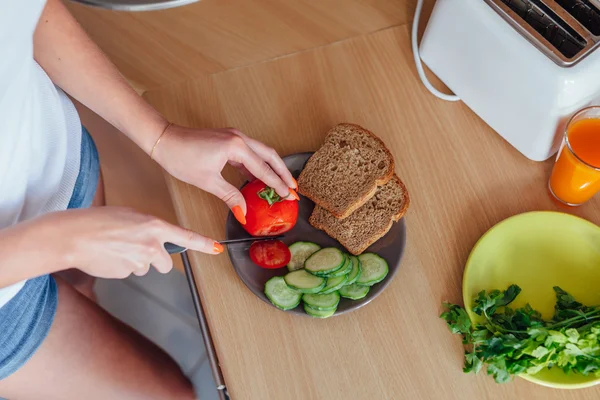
(239, 214)
(295, 183)
(294, 194)
(218, 247)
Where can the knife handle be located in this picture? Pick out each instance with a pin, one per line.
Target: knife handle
(172, 248)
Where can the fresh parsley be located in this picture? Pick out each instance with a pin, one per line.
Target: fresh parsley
(518, 341)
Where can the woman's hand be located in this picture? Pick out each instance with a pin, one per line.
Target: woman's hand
(197, 156)
(114, 242)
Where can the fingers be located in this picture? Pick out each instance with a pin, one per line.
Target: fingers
(243, 170)
(191, 240)
(261, 170)
(270, 156)
(162, 262)
(142, 270)
(231, 196)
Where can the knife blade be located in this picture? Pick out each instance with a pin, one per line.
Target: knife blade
(176, 249)
(250, 239)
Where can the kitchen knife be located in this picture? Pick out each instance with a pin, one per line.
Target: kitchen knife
(175, 249)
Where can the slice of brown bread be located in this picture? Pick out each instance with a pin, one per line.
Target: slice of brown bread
(370, 222)
(345, 172)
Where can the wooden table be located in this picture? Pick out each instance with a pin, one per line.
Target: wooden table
(462, 177)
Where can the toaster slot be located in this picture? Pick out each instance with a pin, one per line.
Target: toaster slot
(549, 25)
(585, 12)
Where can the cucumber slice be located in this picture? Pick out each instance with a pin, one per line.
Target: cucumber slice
(334, 284)
(356, 270)
(304, 282)
(354, 291)
(374, 269)
(322, 302)
(335, 272)
(281, 295)
(318, 313)
(345, 270)
(325, 261)
(300, 252)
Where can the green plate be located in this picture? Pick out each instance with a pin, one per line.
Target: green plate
(538, 250)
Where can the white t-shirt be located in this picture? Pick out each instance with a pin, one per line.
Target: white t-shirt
(40, 131)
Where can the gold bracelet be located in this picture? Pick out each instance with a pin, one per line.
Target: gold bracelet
(159, 139)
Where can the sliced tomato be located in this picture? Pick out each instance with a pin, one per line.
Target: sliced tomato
(270, 254)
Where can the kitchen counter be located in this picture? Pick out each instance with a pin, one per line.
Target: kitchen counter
(462, 177)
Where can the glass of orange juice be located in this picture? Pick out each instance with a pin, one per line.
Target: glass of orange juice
(576, 174)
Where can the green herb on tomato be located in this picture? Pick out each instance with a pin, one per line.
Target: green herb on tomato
(518, 341)
(270, 195)
(267, 214)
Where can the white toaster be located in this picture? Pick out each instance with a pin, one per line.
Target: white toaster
(523, 66)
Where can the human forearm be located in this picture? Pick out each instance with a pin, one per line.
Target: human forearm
(106, 242)
(76, 64)
(28, 250)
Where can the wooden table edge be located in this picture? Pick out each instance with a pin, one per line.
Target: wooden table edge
(204, 329)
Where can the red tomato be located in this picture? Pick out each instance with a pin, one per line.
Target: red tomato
(264, 219)
(270, 254)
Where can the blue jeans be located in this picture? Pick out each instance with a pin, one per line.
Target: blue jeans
(26, 319)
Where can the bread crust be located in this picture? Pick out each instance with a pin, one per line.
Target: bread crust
(362, 200)
(373, 238)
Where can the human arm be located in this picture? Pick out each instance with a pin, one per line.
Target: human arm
(106, 242)
(196, 156)
(74, 63)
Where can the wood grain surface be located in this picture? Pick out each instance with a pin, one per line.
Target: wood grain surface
(161, 47)
(463, 178)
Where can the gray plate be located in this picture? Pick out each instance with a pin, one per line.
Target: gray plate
(390, 247)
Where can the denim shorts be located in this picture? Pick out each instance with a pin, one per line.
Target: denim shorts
(26, 319)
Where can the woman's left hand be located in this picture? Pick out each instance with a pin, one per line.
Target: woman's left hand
(197, 156)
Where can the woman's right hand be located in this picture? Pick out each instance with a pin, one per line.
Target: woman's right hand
(114, 242)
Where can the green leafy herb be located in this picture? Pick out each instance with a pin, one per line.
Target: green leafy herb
(461, 323)
(270, 195)
(518, 341)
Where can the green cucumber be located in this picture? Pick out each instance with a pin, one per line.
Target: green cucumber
(334, 284)
(300, 252)
(313, 312)
(354, 291)
(356, 271)
(304, 282)
(374, 269)
(322, 302)
(325, 261)
(281, 295)
(345, 270)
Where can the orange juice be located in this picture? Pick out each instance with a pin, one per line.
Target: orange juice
(576, 174)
